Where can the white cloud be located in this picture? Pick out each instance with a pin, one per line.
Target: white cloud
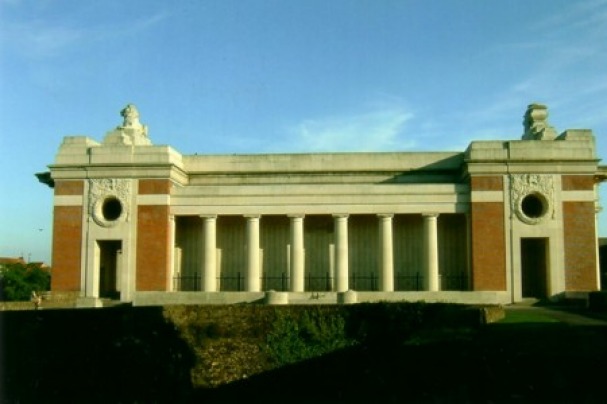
(375, 130)
(132, 28)
(43, 38)
(39, 40)
(591, 14)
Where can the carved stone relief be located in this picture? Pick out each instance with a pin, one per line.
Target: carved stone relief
(109, 200)
(532, 197)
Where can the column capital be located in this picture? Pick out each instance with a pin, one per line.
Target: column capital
(385, 215)
(251, 216)
(210, 216)
(341, 215)
(430, 214)
(296, 215)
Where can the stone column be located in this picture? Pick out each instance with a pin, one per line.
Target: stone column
(341, 252)
(431, 252)
(386, 254)
(253, 278)
(297, 253)
(209, 270)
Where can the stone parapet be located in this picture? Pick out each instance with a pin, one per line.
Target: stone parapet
(582, 149)
(323, 162)
(187, 298)
(313, 298)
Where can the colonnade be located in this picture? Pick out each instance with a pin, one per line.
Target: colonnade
(296, 254)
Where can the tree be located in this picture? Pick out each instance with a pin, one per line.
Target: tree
(17, 281)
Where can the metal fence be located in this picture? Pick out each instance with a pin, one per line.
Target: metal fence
(409, 282)
(186, 283)
(275, 282)
(454, 282)
(231, 283)
(323, 283)
(192, 283)
(319, 283)
(363, 282)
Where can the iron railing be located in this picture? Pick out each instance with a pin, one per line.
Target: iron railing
(186, 283)
(363, 282)
(319, 283)
(408, 282)
(275, 282)
(454, 282)
(322, 283)
(231, 283)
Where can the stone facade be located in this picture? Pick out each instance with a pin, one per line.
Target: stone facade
(498, 222)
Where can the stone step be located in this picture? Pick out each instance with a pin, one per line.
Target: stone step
(527, 302)
(113, 303)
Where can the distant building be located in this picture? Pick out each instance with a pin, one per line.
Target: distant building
(5, 261)
(498, 222)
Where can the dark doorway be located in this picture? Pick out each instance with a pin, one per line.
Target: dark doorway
(534, 267)
(109, 253)
(603, 262)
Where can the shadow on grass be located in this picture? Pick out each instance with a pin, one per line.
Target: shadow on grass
(104, 356)
(133, 355)
(508, 362)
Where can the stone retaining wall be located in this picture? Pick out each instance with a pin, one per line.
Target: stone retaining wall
(50, 300)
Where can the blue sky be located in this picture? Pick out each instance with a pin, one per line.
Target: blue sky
(256, 76)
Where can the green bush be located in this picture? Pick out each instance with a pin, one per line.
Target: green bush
(298, 335)
(17, 281)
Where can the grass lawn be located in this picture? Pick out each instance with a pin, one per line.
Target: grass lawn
(526, 316)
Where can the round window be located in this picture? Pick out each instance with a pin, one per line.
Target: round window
(533, 206)
(111, 209)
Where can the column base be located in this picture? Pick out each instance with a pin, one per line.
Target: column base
(273, 297)
(348, 297)
(88, 302)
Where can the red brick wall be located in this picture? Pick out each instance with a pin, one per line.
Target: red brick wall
(67, 239)
(151, 187)
(580, 247)
(67, 247)
(487, 183)
(152, 247)
(577, 182)
(488, 246)
(63, 187)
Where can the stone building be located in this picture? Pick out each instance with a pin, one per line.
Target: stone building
(499, 222)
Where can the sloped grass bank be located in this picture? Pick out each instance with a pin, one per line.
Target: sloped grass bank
(166, 354)
(235, 342)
